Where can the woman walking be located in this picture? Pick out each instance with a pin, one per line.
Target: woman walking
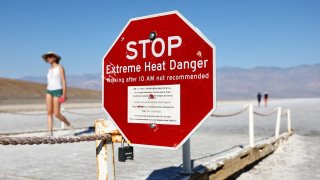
(56, 90)
(266, 97)
(259, 96)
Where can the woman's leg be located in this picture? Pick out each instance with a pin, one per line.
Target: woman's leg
(49, 101)
(56, 111)
(266, 102)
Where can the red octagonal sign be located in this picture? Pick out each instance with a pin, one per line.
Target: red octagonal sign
(159, 80)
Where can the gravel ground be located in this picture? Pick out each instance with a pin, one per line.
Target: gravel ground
(77, 161)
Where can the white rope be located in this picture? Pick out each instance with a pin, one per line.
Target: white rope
(230, 114)
(265, 114)
(44, 114)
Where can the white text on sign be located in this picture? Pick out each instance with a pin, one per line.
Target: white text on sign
(173, 42)
(148, 66)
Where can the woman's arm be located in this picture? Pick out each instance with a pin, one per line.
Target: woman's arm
(64, 82)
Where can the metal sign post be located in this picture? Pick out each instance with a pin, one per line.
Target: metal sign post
(186, 158)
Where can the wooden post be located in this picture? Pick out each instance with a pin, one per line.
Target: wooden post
(277, 131)
(251, 126)
(289, 121)
(104, 153)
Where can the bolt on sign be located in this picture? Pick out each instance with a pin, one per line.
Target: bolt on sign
(159, 80)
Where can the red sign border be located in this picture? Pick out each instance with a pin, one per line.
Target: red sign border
(213, 73)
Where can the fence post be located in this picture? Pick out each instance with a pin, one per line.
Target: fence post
(251, 125)
(289, 120)
(104, 153)
(278, 122)
(62, 110)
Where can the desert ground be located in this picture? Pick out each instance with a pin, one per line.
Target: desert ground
(298, 158)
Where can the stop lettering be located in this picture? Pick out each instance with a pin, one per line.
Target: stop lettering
(173, 42)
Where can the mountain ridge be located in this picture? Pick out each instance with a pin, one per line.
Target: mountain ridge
(14, 91)
(238, 83)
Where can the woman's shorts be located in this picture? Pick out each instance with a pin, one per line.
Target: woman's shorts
(55, 93)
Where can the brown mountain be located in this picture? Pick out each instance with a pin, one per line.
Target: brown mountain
(20, 92)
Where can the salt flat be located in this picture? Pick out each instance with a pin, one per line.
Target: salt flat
(77, 161)
(295, 159)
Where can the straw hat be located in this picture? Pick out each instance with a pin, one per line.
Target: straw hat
(51, 53)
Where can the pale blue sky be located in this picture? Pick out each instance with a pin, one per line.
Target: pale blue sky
(246, 33)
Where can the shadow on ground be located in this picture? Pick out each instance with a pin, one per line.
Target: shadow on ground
(175, 172)
(86, 131)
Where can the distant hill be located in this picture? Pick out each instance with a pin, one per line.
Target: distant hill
(85, 81)
(239, 83)
(293, 82)
(18, 91)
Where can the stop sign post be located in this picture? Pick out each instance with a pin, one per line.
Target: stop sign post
(159, 80)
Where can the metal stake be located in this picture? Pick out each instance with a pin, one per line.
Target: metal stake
(186, 158)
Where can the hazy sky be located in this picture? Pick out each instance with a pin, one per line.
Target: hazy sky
(246, 33)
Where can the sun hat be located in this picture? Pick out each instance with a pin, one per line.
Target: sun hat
(51, 53)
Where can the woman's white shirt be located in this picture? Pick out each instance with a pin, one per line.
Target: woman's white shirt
(54, 78)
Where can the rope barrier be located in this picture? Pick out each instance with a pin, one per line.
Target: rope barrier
(244, 109)
(83, 114)
(265, 114)
(92, 114)
(24, 114)
(44, 114)
(230, 114)
(7, 140)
